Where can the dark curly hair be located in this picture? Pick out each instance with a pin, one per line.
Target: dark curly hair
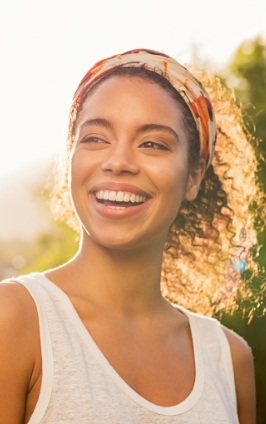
(209, 257)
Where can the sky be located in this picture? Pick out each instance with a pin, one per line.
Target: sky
(48, 45)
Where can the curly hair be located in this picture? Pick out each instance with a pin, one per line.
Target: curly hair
(210, 254)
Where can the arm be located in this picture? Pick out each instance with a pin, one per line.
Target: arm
(244, 377)
(18, 331)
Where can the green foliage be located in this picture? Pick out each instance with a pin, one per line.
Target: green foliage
(52, 249)
(247, 75)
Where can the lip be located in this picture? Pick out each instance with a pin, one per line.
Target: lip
(111, 213)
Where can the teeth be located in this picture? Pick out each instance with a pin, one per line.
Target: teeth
(112, 196)
(119, 196)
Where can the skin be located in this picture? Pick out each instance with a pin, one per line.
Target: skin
(119, 149)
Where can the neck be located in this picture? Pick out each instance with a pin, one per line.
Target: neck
(120, 279)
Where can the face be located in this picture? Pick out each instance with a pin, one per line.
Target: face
(129, 167)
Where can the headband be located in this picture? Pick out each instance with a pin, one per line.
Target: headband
(179, 77)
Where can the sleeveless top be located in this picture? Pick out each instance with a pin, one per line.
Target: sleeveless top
(80, 386)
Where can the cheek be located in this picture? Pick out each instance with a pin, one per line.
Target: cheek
(172, 178)
(78, 166)
(75, 175)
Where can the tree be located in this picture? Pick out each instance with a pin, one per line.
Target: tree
(246, 74)
(52, 249)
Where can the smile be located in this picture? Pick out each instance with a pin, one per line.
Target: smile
(119, 197)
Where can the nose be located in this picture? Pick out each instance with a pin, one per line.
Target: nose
(120, 159)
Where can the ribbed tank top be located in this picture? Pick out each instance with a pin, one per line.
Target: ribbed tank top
(80, 386)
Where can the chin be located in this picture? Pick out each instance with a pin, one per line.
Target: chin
(110, 241)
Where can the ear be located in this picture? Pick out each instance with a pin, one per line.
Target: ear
(194, 180)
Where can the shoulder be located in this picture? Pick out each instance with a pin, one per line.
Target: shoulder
(19, 325)
(240, 350)
(243, 364)
(18, 349)
(13, 299)
(18, 314)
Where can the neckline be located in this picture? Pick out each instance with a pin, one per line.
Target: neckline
(181, 407)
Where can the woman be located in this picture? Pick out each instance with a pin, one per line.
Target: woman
(95, 340)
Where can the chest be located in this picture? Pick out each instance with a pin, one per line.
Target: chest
(158, 364)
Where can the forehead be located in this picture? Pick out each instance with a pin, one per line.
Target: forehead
(133, 93)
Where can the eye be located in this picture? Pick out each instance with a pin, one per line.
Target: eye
(92, 139)
(154, 145)
(93, 142)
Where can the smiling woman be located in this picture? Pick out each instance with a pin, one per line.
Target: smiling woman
(114, 334)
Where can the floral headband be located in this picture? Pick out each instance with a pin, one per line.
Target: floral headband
(179, 77)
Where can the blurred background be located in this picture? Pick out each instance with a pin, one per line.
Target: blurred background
(46, 48)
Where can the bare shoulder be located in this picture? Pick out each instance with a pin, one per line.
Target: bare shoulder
(240, 350)
(243, 363)
(18, 313)
(18, 344)
(17, 307)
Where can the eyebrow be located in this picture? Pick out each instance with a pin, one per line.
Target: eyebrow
(102, 122)
(97, 121)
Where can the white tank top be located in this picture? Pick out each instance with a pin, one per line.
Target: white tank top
(80, 386)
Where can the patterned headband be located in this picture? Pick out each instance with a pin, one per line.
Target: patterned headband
(179, 77)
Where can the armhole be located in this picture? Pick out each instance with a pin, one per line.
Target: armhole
(227, 359)
(46, 357)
